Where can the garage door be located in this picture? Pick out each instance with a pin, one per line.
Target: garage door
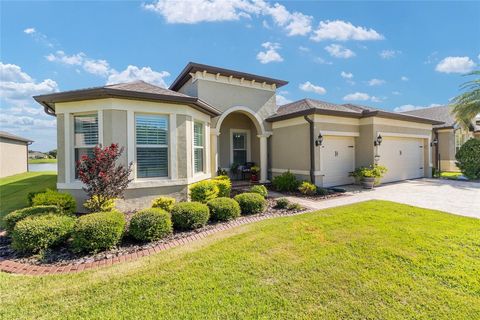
(403, 158)
(337, 160)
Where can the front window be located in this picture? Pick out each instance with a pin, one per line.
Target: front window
(198, 146)
(85, 136)
(239, 141)
(152, 146)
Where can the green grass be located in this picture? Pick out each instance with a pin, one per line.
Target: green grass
(37, 161)
(450, 175)
(14, 189)
(375, 260)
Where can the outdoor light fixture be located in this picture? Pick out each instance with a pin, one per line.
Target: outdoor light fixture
(319, 140)
(378, 141)
(434, 142)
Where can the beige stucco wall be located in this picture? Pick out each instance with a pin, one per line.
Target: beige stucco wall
(290, 147)
(446, 150)
(60, 148)
(237, 121)
(115, 131)
(13, 157)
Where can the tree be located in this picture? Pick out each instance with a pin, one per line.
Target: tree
(104, 179)
(466, 106)
(468, 159)
(53, 153)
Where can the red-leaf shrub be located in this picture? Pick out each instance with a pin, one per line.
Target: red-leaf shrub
(103, 177)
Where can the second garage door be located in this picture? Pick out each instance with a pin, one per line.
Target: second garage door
(337, 160)
(403, 158)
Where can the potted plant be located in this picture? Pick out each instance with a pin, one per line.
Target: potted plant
(254, 173)
(379, 172)
(370, 176)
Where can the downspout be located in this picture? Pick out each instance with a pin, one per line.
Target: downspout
(312, 148)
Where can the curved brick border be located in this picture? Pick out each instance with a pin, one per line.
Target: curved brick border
(10, 266)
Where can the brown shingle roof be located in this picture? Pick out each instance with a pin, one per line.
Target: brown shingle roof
(441, 113)
(6, 135)
(310, 106)
(137, 90)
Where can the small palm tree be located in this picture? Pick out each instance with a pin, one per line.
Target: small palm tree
(466, 106)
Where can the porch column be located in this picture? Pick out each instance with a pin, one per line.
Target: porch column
(263, 157)
(214, 151)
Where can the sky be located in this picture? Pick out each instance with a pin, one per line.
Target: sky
(392, 55)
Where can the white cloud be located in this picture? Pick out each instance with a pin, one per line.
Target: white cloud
(410, 107)
(375, 82)
(357, 96)
(266, 25)
(98, 67)
(342, 31)
(197, 11)
(376, 99)
(281, 100)
(270, 54)
(309, 87)
(13, 73)
(388, 54)
(320, 60)
(403, 78)
(133, 73)
(61, 57)
(346, 75)
(455, 65)
(304, 49)
(338, 51)
(21, 122)
(29, 30)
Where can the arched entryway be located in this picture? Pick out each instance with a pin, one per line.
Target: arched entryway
(239, 136)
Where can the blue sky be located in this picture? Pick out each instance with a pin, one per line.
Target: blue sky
(391, 55)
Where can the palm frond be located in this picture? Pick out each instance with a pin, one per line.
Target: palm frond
(466, 106)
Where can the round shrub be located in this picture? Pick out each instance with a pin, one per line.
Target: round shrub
(98, 231)
(165, 203)
(150, 224)
(190, 215)
(223, 209)
(37, 233)
(11, 219)
(307, 188)
(282, 203)
(204, 191)
(251, 203)
(224, 185)
(260, 189)
(65, 201)
(468, 159)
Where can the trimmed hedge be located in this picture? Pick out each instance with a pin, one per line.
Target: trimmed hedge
(468, 159)
(223, 209)
(37, 233)
(286, 182)
(204, 191)
(98, 231)
(65, 201)
(260, 189)
(150, 224)
(224, 186)
(11, 219)
(165, 203)
(190, 215)
(282, 203)
(251, 203)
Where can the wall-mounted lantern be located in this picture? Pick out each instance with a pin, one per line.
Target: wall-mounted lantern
(434, 142)
(319, 140)
(378, 141)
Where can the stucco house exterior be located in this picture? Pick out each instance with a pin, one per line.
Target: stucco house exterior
(212, 117)
(449, 136)
(13, 154)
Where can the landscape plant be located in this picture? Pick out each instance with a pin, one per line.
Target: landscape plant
(286, 182)
(150, 224)
(468, 159)
(260, 189)
(204, 191)
(307, 188)
(104, 178)
(163, 202)
(223, 209)
(251, 203)
(64, 201)
(11, 219)
(224, 185)
(190, 215)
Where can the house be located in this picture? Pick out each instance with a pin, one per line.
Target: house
(212, 117)
(37, 155)
(13, 154)
(449, 136)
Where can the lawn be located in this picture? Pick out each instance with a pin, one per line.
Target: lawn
(371, 260)
(37, 161)
(14, 189)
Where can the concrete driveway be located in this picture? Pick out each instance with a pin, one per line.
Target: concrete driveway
(457, 197)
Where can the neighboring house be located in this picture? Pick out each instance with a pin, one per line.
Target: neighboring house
(212, 117)
(37, 155)
(449, 135)
(13, 154)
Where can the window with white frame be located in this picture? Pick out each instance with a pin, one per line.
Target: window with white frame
(152, 145)
(85, 136)
(239, 147)
(198, 146)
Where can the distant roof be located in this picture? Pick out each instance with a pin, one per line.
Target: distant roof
(137, 90)
(184, 76)
(441, 113)
(10, 136)
(310, 106)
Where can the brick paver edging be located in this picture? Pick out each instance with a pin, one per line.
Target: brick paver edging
(10, 266)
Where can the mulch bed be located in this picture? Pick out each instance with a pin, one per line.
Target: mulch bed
(62, 256)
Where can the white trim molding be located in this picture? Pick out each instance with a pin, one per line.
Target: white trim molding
(257, 121)
(403, 135)
(339, 133)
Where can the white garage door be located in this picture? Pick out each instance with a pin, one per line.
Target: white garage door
(403, 158)
(337, 160)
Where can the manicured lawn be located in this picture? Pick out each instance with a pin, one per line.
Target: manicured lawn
(36, 161)
(14, 189)
(371, 260)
